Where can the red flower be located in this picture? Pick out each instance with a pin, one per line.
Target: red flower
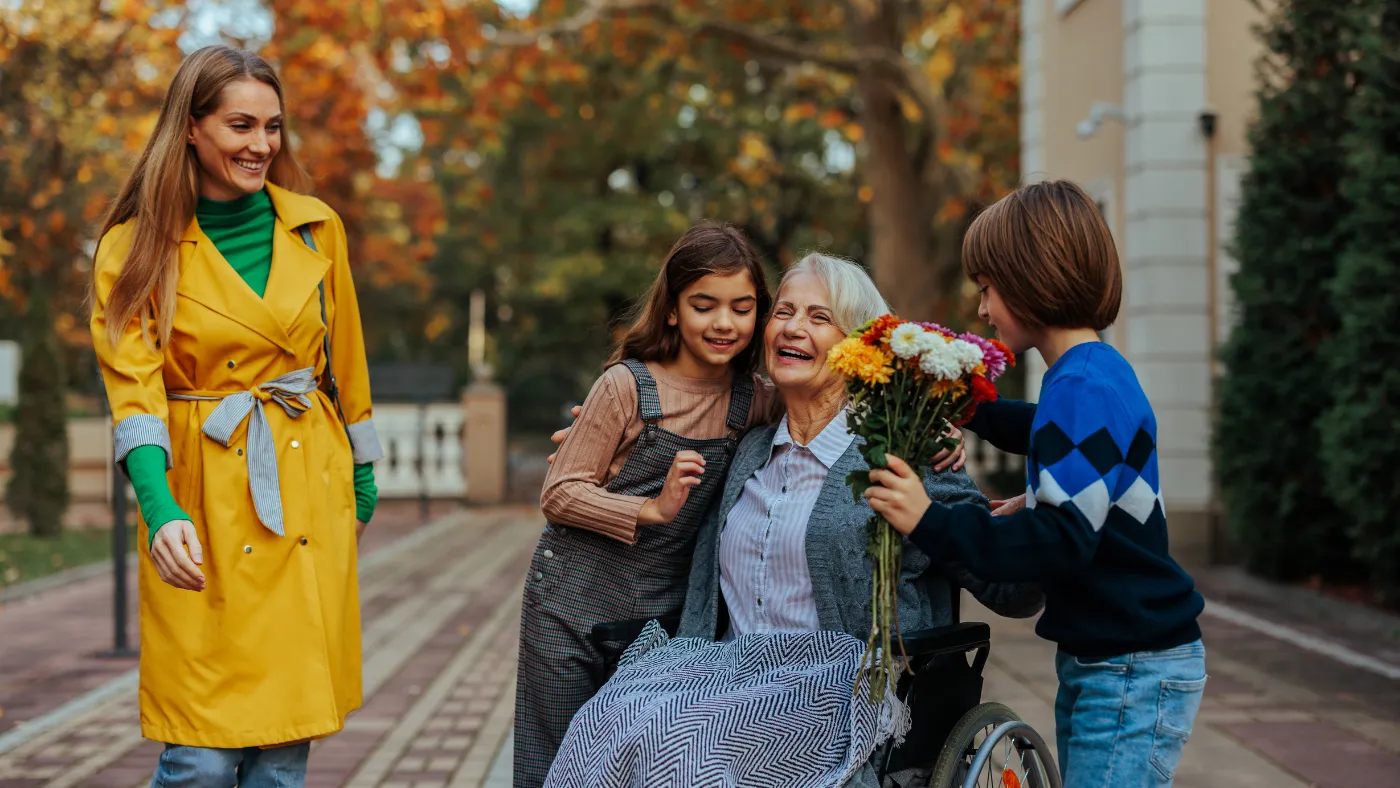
(983, 390)
(1010, 357)
(880, 329)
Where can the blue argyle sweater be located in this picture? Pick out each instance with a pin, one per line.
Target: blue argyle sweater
(1093, 532)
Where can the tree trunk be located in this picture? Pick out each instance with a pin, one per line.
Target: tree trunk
(899, 207)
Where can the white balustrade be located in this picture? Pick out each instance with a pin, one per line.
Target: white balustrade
(404, 430)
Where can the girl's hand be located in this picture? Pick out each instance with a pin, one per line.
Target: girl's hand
(1008, 506)
(559, 436)
(177, 566)
(685, 473)
(951, 459)
(898, 495)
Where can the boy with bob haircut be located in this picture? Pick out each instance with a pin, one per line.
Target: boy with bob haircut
(1092, 531)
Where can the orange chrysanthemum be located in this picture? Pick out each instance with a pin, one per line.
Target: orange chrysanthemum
(879, 330)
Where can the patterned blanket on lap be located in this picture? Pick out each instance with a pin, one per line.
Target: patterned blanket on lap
(769, 709)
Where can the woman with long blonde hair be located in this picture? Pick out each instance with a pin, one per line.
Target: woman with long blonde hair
(224, 316)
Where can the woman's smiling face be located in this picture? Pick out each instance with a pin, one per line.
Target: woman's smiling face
(798, 336)
(237, 142)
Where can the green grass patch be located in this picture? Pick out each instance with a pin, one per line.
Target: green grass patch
(24, 557)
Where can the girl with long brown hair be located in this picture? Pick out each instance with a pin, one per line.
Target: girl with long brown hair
(625, 496)
(224, 317)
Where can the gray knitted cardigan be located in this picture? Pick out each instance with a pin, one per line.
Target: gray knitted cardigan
(841, 572)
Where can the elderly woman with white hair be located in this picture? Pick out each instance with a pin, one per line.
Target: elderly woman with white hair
(756, 689)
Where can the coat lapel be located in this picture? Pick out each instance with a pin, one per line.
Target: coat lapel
(207, 279)
(296, 269)
(296, 273)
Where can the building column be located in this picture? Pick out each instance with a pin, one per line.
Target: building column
(1165, 261)
(1033, 137)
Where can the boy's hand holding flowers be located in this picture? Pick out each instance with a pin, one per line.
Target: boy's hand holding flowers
(897, 494)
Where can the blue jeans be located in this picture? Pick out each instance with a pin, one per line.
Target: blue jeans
(1122, 722)
(250, 767)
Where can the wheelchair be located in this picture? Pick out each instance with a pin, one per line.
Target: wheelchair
(979, 745)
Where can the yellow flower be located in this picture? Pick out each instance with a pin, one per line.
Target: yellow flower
(956, 386)
(867, 363)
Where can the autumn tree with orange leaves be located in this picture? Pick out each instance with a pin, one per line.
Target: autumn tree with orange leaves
(80, 81)
(932, 86)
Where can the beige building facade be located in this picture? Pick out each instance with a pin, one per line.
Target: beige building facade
(1146, 103)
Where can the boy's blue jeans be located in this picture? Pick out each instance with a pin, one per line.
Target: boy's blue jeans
(1122, 722)
(250, 767)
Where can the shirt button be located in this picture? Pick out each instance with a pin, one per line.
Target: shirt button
(303, 540)
(548, 553)
(296, 445)
(247, 548)
(539, 576)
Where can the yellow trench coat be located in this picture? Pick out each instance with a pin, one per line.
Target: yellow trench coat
(269, 652)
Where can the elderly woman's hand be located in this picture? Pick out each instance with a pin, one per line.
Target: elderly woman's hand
(685, 473)
(898, 495)
(951, 459)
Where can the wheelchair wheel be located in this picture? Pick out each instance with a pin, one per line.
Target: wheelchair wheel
(991, 747)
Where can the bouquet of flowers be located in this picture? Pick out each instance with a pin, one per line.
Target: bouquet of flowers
(909, 383)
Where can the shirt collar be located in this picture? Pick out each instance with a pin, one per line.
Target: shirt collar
(828, 446)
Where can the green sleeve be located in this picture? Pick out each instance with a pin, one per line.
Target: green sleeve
(145, 465)
(366, 494)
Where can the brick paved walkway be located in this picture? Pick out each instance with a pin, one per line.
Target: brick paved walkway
(441, 607)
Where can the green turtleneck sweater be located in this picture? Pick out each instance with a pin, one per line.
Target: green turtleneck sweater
(242, 232)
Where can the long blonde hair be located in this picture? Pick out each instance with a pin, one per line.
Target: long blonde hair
(163, 189)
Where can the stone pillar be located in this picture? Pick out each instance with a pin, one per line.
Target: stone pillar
(1032, 140)
(484, 442)
(1165, 263)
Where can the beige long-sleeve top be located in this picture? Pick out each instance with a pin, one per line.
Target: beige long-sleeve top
(593, 454)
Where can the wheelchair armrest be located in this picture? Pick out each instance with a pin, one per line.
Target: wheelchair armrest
(952, 639)
(628, 631)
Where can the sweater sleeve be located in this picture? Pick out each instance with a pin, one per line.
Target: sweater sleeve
(145, 465)
(1004, 423)
(1076, 462)
(574, 490)
(366, 493)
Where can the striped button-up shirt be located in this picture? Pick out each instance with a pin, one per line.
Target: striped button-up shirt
(763, 547)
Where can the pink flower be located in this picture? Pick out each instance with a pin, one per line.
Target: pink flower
(992, 356)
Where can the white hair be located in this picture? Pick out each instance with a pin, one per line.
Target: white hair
(854, 298)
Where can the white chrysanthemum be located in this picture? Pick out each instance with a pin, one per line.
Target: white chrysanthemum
(904, 340)
(940, 362)
(929, 340)
(967, 354)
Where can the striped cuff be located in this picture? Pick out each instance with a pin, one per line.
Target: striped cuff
(143, 429)
(364, 442)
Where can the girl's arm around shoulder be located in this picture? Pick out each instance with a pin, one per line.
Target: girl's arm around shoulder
(574, 491)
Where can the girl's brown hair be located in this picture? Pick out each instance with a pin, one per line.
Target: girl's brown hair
(707, 248)
(1048, 251)
(163, 189)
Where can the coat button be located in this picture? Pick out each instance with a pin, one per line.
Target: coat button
(247, 548)
(296, 445)
(240, 452)
(232, 364)
(548, 553)
(539, 576)
(303, 540)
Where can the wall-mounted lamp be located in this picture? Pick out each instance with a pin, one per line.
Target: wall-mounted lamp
(1101, 111)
